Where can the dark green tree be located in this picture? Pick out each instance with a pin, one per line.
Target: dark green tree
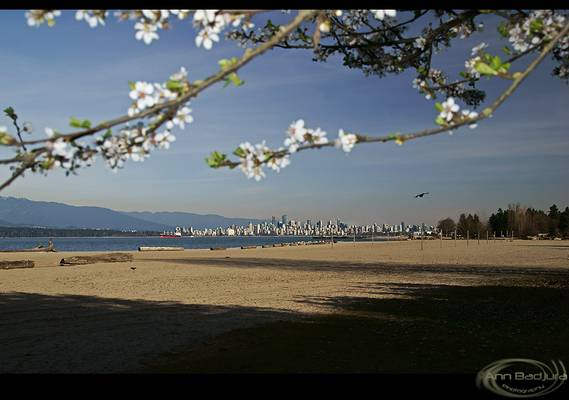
(446, 226)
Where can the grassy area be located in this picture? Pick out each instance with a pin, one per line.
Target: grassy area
(428, 329)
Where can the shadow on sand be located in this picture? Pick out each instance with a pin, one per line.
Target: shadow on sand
(420, 329)
(388, 328)
(382, 267)
(84, 334)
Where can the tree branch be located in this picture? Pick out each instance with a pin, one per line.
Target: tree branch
(249, 55)
(487, 112)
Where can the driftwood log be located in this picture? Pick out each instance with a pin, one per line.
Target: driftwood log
(267, 246)
(248, 247)
(218, 248)
(100, 258)
(146, 248)
(38, 249)
(16, 264)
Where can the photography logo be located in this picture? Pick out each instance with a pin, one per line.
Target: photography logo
(521, 377)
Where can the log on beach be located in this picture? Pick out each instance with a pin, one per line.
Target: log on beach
(147, 248)
(248, 247)
(265, 246)
(218, 248)
(16, 264)
(38, 249)
(100, 258)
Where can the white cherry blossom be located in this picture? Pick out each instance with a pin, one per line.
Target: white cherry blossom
(143, 95)
(278, 163)
(449, 108)
(90, 17)
(164, 139)
(182, 117)
(204, 17)
(471, 115)
(180, 75)
(476, 50)
(346, 140)
(145, 32)
(206, 37)
(381, 14)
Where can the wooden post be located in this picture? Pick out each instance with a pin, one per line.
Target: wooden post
(467, 237)
(487, 242)
(331, 239)
(354, 238)
(441, 240)
(478, 237)
(454, 237)
(372, 236)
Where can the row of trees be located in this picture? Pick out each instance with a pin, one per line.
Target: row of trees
(523, 221)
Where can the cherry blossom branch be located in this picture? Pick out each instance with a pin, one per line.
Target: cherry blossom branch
(517, 77)
(196, 89)
(249, 55)
(171, 106)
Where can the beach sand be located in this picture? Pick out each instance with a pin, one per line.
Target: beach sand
(110, 318)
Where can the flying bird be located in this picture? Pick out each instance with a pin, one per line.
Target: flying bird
(421, 194)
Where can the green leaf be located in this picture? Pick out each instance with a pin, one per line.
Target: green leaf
(74, 122)
(504, 68)
(215, 159)
(438, 106)
(440, 120)
(10, 113)
(507, 50)
(227, 63)
(233, 78)
(503, 30)
(484, 69)
(536, 25)
(496, 62)
(239, 152)
(174, 86)
(131, 85)
(77, 123)
(108, 134)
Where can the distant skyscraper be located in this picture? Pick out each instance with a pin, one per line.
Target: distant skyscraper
(284, 219)
(308, 222)
(274, 220)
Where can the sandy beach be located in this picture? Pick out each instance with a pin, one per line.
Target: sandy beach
(111, 318)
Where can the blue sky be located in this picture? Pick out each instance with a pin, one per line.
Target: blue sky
(51, 74)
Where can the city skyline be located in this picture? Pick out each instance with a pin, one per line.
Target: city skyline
(517, 156)
(286, 227)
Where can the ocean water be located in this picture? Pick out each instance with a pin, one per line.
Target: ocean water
(132, 243)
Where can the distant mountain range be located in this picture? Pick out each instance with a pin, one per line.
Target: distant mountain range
(29, 213)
